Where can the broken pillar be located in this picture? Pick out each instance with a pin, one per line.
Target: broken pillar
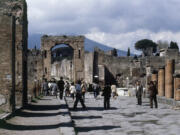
(161, 82)
(169, 70)
(177, 87)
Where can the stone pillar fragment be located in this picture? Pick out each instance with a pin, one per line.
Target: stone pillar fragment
(154, 77)
(161, 82)
(177, 87)
(169, 70)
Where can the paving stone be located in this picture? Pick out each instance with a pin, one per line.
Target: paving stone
(124, 118)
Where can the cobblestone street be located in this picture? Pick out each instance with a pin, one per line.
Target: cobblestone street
(124, 118)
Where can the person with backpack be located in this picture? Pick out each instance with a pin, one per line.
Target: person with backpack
(79, 95)
(153, 92)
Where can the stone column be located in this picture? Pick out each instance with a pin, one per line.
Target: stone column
(177, 87)
(169, 70)
(161, 82)
(154, 77)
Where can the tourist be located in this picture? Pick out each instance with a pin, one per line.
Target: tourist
(61, 87)
(107, 95)
(45, 87)
(72, 90)
(84, 88)
(114, 90)
(96, 89)
(139, 91)
(54, 88)
(79, 95)
(152, 93)
(67, 92)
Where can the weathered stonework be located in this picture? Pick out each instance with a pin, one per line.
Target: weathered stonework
(169, 70)
(161, 82)
(177, 87)
(76, 42)
(13, 47)
(35, 72)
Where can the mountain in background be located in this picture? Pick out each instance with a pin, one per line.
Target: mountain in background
(35, 40)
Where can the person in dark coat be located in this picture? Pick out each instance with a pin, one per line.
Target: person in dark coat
(79, 95)
(152, 93)
(61, 87)
(107, 95)
(139, 91)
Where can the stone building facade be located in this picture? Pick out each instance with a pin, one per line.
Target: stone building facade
(13, 53)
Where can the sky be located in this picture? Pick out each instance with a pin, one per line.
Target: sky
(116, 23)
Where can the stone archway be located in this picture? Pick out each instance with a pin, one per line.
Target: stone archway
(76, 42)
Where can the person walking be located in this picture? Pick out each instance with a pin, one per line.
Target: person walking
(139, 91)
(114, 91)
(152, 93)
(79, 95)
(54, 88)
(72, 90)
(67, 92)
(45, 87)
(84, 88)
(96, 89)
(61, 87)
(107, 95)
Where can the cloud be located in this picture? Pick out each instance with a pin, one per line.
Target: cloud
(124, 40)
(119, 23)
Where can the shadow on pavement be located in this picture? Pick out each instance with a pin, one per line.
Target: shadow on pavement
(44, 107)
(92, 108)
(23, 113)
(9, 126)
(86, 117)
(87, 129)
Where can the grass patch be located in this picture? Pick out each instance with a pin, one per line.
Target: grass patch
(2, 111)
(39, 97)
(34, 100)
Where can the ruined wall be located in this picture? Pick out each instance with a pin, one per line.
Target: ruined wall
(63, 68)
(35, 71)
(13, 36)
(76, 42)
(88, 67)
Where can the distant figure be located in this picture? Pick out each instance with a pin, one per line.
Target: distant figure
(67, 92)
(61, 87)
(107, 95)
(72, 90)
(96, 89)
(79, 95)
(114, 91)
(84, 88)
(54, 88)
(152, 93)
(45, 87)
(139, 91)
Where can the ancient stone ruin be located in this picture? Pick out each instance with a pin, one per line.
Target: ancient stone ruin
(13, 53)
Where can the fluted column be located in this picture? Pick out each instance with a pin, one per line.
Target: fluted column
(161, 82)
(169, 70)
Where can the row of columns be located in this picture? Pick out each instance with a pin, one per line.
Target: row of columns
(168, 83)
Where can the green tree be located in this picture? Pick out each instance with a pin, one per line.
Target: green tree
(173, 45)
(145, 44)
(128, 52)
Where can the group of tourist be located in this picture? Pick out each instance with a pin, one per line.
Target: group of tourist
(77, 91)
(152, 92)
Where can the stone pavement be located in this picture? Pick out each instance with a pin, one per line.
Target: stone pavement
(124, 118)
(50, 116)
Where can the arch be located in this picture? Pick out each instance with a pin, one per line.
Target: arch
(75, 42)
